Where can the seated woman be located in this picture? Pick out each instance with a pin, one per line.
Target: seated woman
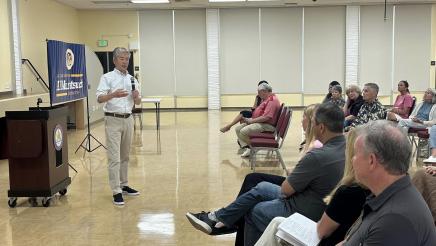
(425, 182)
(423, 115)
(329, 94)
(336, 97)
(353, 104)
(403, 103)
(309, 141)
(341, 212)
(244, 113)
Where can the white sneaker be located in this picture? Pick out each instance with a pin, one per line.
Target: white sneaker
(246, 153)
(431, 159)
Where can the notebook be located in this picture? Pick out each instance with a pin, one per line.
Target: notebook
(298, 230)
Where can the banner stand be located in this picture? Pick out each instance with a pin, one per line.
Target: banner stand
(67, 76)
(86, 143)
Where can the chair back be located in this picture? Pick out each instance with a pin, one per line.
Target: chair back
(413, 105)
(284, 127)
(277, 114)
(280, 119)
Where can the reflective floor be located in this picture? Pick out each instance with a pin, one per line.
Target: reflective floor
(198, 169)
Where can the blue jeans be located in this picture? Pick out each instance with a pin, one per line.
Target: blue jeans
(259, 206)
(432, 137)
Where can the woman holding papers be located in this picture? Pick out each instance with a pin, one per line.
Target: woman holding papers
(343, 209)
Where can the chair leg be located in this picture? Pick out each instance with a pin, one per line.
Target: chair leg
(140, 120)
(253, 159)
(279, 155)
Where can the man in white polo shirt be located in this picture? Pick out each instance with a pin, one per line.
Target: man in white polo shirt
(118, 91)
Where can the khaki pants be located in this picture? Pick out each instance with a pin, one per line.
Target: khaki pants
(243, 131)
(119, 134)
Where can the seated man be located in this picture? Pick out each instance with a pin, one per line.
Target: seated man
(303, 191)
(371, 109)
(396, 214)
(262, 119)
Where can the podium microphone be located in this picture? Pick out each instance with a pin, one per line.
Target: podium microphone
(38, 101)
(132, 81)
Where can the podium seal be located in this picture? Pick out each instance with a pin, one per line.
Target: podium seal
(58, 138)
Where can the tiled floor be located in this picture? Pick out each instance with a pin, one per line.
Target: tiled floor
(198, 169)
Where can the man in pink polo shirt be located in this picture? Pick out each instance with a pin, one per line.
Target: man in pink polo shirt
(262, 119)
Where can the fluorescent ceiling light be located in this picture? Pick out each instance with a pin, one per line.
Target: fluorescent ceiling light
(225, 1)
(149, 1)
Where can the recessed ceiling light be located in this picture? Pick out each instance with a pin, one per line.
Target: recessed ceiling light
(149, 1)
(225, 1)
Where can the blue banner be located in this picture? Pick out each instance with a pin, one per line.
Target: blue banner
(66, 71)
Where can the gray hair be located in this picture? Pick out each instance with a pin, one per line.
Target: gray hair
(331, 116)
(432, 91)
(265, 86)
(118, 51)
(355, 88)
(373, 86)
(390, 146)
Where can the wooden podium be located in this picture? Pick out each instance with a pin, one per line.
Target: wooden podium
(37, 153)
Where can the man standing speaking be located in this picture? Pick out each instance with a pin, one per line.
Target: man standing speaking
(118, 91)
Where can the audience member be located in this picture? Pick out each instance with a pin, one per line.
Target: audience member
(341, 212)
(423, 115)
(403, 104)
(336, 97)
(353, 104)
(395, 213)
(262, 119)
(329, 94)
(252, 179)
(244, 113)
(310, 141)
(303, 191)
(425, 182)
(371, 109)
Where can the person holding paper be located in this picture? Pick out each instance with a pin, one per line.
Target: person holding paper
(396, 213)
(117, 91)
(303, 191)
(342, 210)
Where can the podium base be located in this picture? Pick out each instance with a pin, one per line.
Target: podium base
(41, 193)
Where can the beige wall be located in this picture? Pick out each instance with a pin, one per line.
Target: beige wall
(5, 58)
(114, 26)
(41, 20)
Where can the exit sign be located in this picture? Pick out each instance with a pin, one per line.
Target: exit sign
(102, 43)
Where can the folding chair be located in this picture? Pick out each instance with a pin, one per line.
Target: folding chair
(423, 137)
(267, 144)
(280, 114)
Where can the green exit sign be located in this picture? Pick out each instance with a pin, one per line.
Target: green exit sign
(102, 43)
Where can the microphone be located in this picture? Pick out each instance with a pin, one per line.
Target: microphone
(39, 100)
(132, 81)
